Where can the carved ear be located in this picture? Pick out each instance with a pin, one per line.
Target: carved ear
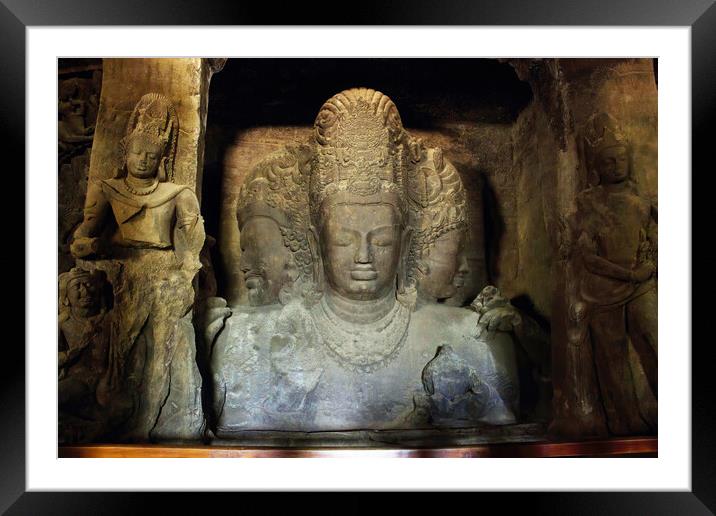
(314, 246)
(162, 170)
(403, 273)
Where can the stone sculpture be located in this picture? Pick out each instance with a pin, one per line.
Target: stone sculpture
(84, 301)
(141, 196)
(272, 214)
(498, 317)
(77, 112)
(438, 205)
(74, 128)
(146, 233)
(349, 352)
(612, 245)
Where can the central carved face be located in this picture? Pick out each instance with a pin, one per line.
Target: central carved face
(143, 158)
(265, 261)
(361, 249)
(446, 266)
(613, 164)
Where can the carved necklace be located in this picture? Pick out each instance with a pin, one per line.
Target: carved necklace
(362, 347)
(140, 191)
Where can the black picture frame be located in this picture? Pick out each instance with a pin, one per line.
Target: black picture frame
(17, 15)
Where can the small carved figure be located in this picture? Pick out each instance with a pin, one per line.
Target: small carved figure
(455, 391)
(149, 210)
(614, 247)
(72, 129)
(83, 347)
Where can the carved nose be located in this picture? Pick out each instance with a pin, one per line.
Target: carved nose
(463, 267)
(363, 255)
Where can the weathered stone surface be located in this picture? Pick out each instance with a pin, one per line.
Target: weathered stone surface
(472, 150)
(84, 340)
(185, 84)
(272, 371)
(337, 241)
(79, 92)
(568, 93)
(348, 352)
(142, 227)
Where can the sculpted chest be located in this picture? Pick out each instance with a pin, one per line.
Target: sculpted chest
(143, 221)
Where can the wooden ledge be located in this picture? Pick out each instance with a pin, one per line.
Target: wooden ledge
(627, 447)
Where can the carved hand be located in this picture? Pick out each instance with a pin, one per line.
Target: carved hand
(84, 246)
(504, 318)
(643, 272)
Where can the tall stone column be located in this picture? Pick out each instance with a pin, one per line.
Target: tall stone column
(154, 389)
(568, 92)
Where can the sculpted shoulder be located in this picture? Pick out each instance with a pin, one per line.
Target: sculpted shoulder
(445, 321)
(165, 192)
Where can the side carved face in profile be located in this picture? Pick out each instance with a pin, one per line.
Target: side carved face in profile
(265, 262)
(361, 249)
(444, 266)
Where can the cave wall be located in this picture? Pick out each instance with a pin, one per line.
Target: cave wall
(550, 160)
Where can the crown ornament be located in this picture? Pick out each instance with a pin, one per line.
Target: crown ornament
(600, 132)
(437, 199)
(359, 149)
(154, 119)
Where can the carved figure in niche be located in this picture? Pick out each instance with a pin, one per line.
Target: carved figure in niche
(615, 302)
(149, 210)
(438, 205)
(72, 128)
(352, 355)
(84, 301)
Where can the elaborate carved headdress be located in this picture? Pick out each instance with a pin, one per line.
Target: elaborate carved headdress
(277, 188)
(360, 150)
(601, 131)
(438, 202)
(154, 119)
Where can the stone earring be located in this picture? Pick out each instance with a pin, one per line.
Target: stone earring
(316, 255)
(162, 171)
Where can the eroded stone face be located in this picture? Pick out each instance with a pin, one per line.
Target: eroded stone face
(445, 266)
(84, 295)
(265, 260)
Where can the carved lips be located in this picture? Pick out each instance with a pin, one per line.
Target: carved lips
(253, 279)
(364, 273)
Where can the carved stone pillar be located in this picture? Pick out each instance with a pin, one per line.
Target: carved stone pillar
(567, 93)
(152, 389)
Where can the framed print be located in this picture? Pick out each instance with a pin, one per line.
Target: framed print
(365, 242)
